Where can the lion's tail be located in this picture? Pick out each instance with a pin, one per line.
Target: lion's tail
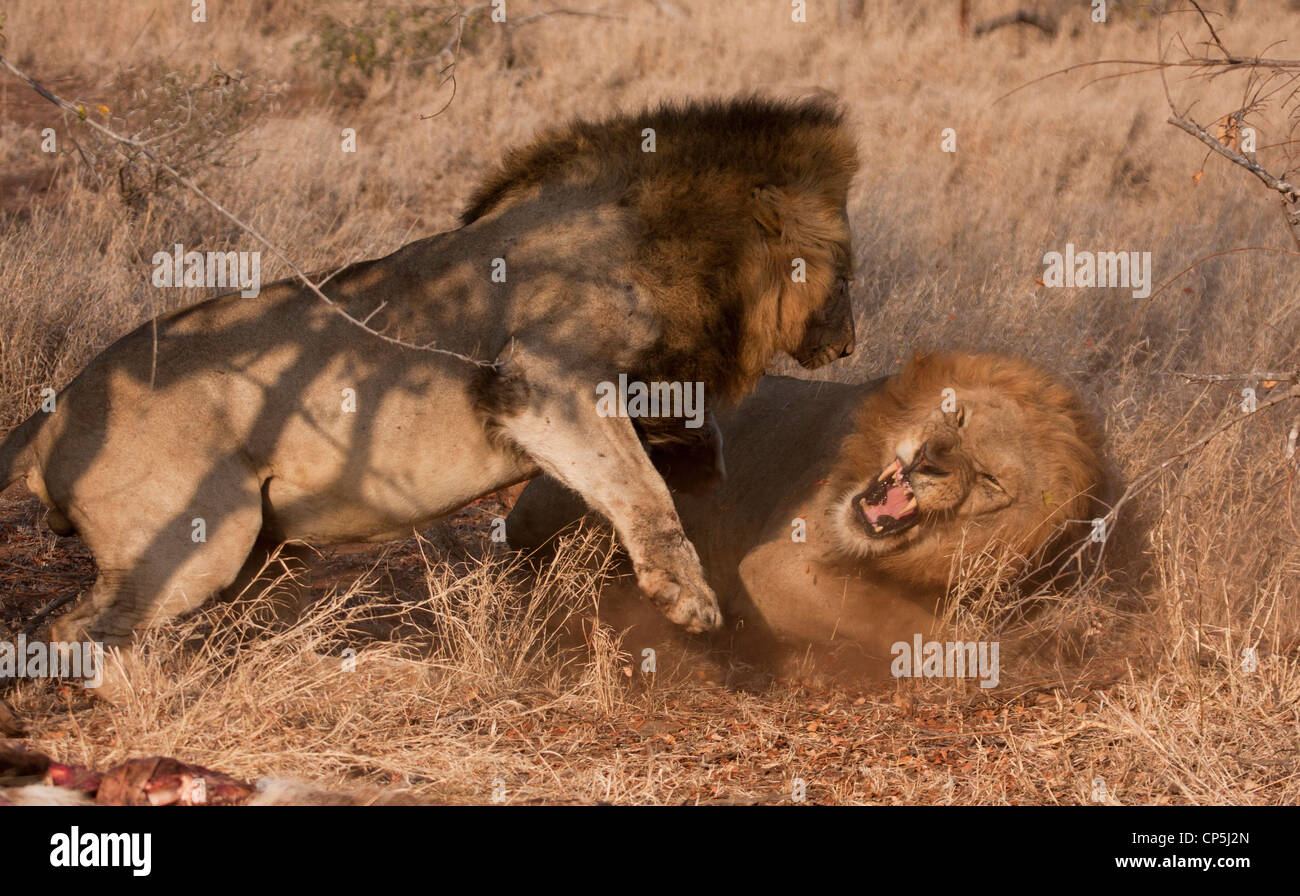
(16, 455)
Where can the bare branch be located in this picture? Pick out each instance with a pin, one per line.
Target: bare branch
(1289, 191)
(1290, 194)
(1149, 65)
(1263, 376)
(1214, 34)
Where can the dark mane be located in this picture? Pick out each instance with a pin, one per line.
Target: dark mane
(733, 193)
(768, 142)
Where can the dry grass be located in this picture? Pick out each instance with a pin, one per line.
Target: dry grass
(1143, 684)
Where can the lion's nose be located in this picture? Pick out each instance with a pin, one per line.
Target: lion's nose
(929, 459)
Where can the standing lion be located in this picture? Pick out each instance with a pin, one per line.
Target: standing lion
(845, 506)
(686, 244)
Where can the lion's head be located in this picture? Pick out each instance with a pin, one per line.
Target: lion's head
(963, 452)
(742, 236)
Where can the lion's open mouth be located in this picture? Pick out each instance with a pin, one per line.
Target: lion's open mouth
(888, 506)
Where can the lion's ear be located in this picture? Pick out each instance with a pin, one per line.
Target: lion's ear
(767, 210)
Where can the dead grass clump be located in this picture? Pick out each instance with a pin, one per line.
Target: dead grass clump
(325, 700)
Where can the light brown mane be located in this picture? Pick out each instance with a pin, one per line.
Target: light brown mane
(1069, 450)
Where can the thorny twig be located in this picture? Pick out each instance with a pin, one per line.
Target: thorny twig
(143, 148)
(1290, 193)
(1269, 379)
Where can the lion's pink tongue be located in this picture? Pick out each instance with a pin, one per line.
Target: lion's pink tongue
(894, 505)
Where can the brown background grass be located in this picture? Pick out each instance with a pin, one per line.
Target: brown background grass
(1152, 699)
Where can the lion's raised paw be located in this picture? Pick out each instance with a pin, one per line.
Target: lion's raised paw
(693, 608)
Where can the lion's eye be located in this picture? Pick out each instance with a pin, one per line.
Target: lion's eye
(961, 416)
(992, 480)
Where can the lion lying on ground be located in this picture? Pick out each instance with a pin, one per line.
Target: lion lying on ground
(684, 244)
(845, 506)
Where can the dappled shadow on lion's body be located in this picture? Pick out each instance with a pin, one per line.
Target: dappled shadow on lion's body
(190, 447)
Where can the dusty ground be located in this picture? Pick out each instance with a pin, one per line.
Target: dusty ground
(464, 687)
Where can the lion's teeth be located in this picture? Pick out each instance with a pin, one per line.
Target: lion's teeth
(889, 471)
(911, 505)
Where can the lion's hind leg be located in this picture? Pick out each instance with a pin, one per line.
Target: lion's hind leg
(278, 576)
(161, 554)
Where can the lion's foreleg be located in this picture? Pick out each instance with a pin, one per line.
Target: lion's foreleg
(553, 419)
